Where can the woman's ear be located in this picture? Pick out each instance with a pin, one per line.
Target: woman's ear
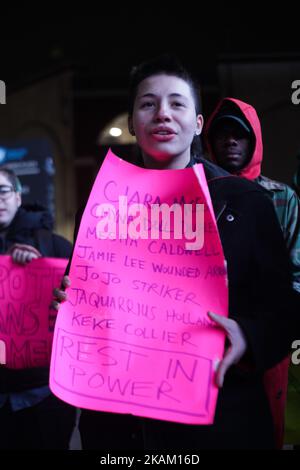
(200, 122)
(130, 126)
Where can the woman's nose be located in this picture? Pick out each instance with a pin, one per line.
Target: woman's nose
(162, 112)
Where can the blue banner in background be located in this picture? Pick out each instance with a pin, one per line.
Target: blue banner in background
(32, 161)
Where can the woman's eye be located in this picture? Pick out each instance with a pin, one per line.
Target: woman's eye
(147, 104)
(177, 104)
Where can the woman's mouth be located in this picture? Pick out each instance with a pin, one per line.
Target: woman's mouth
(163, 134)
(163, 137)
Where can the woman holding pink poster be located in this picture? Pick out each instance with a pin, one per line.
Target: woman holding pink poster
(165, 117)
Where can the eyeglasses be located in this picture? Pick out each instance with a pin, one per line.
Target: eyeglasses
(6, 191)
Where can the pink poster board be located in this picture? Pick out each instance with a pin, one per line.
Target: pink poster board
(134, 336)
(26, 321)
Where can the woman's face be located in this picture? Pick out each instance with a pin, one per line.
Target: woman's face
(164, 118)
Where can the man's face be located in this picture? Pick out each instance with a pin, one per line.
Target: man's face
(10, 201)
(231, 145)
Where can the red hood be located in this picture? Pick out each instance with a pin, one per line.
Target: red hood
(253, 169)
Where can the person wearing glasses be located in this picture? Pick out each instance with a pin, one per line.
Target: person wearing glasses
(30, 416)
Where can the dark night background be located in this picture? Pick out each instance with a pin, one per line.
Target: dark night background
(66, 73)
(38, 42)
(94, 51)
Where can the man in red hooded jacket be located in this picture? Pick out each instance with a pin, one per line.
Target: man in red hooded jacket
(234, 141)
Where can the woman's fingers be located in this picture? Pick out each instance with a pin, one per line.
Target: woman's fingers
(55, 305)
(238, 345)
(66, 282)
(59, 294)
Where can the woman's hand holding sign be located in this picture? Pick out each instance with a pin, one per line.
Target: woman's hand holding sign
(237, 348)
(59, 293)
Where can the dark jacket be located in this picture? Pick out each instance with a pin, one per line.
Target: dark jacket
(259, 291)
(261, 299)
(32, 225)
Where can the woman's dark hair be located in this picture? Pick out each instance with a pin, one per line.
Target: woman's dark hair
(165, 64)
(12, 178)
